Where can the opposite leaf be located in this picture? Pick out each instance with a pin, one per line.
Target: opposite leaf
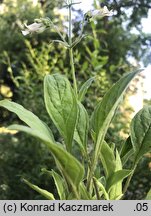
(61, 104)
(29, 118)
(106, 108)
(102, 189)
(126, 151)
(117, 177)
(43, 192)
(116, 189)
(84, 194)
(105, 111)
(141, 132)
(59, 182)
(60, 185)
(82, 126)
(84, 88)
(108, 159)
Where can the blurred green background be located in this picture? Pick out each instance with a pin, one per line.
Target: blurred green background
(107, 51)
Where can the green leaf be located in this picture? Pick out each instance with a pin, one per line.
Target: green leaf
(126, 157)
(84, 194)
(148, 197)
(126, 147)
(30, 131)
(82, 126)
(108, 159)
(117, 177)
(116, 189)
(126, 151)
(84, 88)
(67, 164)
(141, 132)
(29, 118)
(43, 192)
(60, 185)
(71, 196)
(102, 189)
(61, 104)
(106, 108)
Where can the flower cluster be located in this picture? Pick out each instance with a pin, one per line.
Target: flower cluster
(41, 24)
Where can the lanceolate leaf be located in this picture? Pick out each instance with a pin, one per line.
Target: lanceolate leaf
(29, 118)
(61, 105)
(84, 88)
(126, 147)
(102, 188)
(117, 177)
(108, 159)
(30, 131)
(82, 126)
(60, 184)
(68, 165)
(116, 189)
(84, 194)
(126, 151)
(43, 192)
(106, 108)
(141, 132)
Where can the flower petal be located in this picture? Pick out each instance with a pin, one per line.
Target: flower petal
(25, 32)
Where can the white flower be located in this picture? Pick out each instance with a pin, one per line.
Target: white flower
(105, 12)
(98, 13)
(34, 28)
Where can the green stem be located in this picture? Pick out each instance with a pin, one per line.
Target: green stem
(129, 179)
(80, 35)
(61, 36)
(90, 176)
(96, 189)
(71, 186)
(71, 52)
(96, 45)
(94, 160)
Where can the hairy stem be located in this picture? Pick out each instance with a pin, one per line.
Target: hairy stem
(94, 160)
(71, 52)
(129, 179)
(90, 175)
(96, 189)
